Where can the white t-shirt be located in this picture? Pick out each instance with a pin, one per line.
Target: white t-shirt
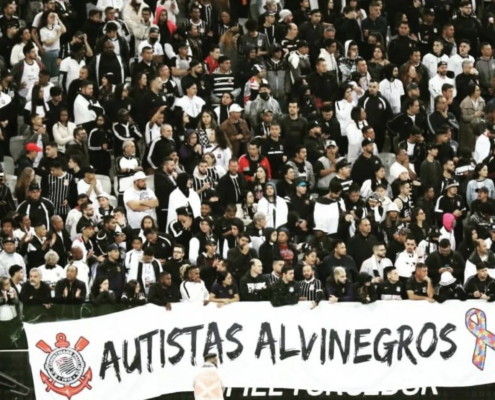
(157, 48)
(134, 218)
(83, 187)
(50, 34)
(30, 76)
(71, 67)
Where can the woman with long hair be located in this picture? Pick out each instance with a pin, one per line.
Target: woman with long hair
(228, 45)
(377, 62)
(140, 88)
(220, 147)
(146, 223)
(9, 316)
(259, 183)
(171, 8)
(409, 75)
(166, 26)
(37, 105)
(224, 290)
(23, 181)
(369, 185)
(206, 126)
(472, 110)
(63, 130)
(106, 90)
(480, 180)
(99, 145)
(247, 209)
(191, 152)
(329, 13)
(120, 100)
(286, 187)
(418, 226)
(102, 298)
(354, 133)
(343, 110)
(23, 37)
(133, 296)
(51, 29)
(222, 111)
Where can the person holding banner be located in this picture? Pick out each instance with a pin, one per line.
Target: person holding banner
(193, 289)
(164, 292)
(338, 286)
(207, 382)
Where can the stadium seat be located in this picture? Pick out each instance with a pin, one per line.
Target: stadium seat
(113, 201)
(387, 160)
(8, 165)
(106, 183)
(16, 147)
(150, 182)
(11, 182)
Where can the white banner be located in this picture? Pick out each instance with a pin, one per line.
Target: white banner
(349, 347)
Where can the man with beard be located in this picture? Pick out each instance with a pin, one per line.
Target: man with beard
(241, 256)
(197, 76)
(86, 108)
(310, 288)
(174, 264)
(366, 163)
(435, 84)
(377, 264)
(139, 201)
(113, 270)
(108, 62)
(285, 291)
(378, 112)
(36, 297)
(446, 260)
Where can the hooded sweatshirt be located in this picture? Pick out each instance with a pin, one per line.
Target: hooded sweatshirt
(183, 196)
(276, 211)
(361, 292)
(447, 231)
(391, 89)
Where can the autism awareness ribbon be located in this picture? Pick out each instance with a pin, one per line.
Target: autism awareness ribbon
(484, 337)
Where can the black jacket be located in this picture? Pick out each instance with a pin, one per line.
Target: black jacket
(162, 296)
(284, 294)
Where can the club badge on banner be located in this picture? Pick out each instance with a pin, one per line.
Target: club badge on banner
(148, 351)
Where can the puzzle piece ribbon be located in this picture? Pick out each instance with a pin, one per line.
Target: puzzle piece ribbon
(476, 324)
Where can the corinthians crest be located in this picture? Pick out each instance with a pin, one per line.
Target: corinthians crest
(65, 367)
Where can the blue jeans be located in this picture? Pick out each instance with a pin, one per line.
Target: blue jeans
(50, 62)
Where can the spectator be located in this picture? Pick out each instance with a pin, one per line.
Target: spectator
(419, 286)
(164, 292)
(193, 289)
(285, 291)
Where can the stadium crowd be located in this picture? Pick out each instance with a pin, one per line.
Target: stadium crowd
(265, 151)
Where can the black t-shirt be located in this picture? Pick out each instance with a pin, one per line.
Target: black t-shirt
(419, 288)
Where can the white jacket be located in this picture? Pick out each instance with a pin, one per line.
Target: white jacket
(435, 88)
(177, 199)
(455, 63)
(281, 212)
(430, 61)
(343, 112)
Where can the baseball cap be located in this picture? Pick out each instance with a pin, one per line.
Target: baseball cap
(441, 63)
(269, 13)
(86, 225)
(300, 182)
(412, 86)
(342, 163)
(211, 242)
(112, 247)
(103, 194)
(34, 186)
(451, 183)
(33, 147)
(429, 11)
(331, 143)
(87, 170)
(235, 108)
(267, 111)
(313, 124)
(8, 240)
(366, 142)
(182, 44)
(139, 175)
(283, 14)
(302, 43)
(482, 189)
(154, 29)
